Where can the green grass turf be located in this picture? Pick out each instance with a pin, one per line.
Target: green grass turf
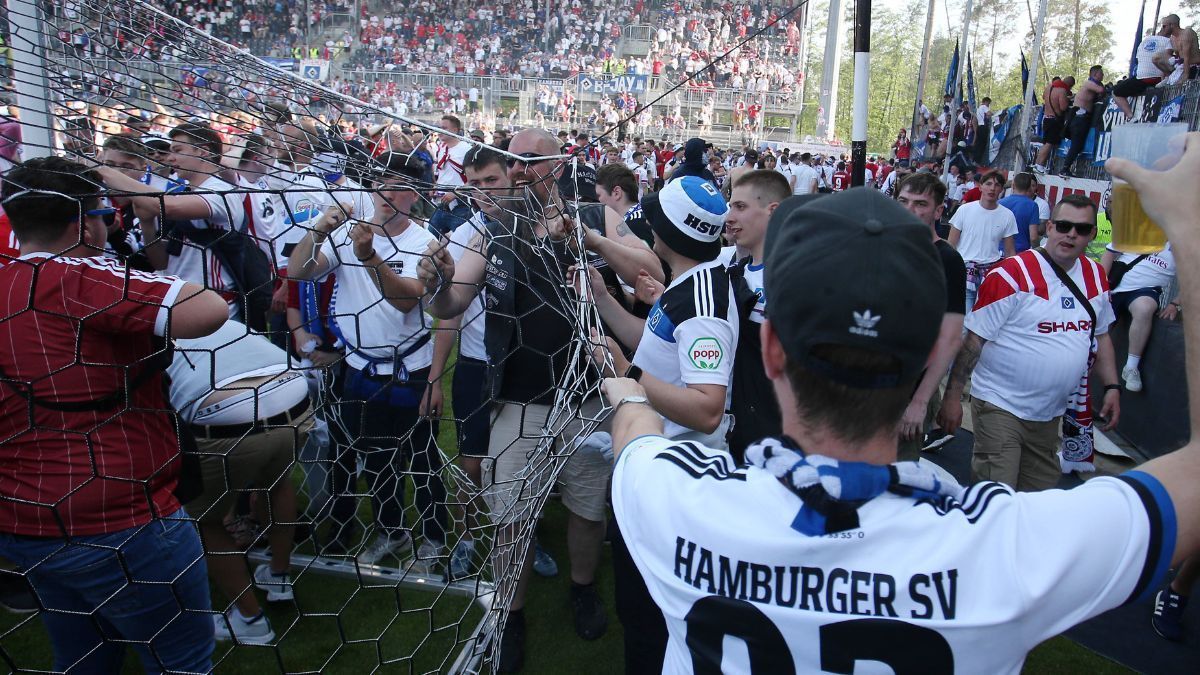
(345, 628)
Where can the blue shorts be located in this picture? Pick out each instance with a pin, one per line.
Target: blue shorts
(472, 410)
(1122, 300)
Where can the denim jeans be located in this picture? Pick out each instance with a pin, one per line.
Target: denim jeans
(146, 587)
(444, 221)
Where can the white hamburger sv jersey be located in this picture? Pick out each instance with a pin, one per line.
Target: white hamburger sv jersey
(691, 335)
(1038, 334)
(932, 586)
(305, 202)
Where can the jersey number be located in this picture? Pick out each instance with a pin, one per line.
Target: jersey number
(905, 647)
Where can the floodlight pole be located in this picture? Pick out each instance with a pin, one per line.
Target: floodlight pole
(917, 121)
(826, 123)
(26, 19)
(965, 44)
(1027, 109)
(862, 76)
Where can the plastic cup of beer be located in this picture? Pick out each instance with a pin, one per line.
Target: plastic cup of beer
(1153, 146)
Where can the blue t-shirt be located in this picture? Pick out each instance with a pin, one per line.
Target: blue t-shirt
(1025, 210)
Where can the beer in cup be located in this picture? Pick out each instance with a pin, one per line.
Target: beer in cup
(1153, 146)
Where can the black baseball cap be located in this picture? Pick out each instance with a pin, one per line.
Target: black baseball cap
(578, 181)
(855, 269)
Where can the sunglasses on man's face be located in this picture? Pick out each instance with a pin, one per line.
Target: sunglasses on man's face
(1082, 229)
(528, 159)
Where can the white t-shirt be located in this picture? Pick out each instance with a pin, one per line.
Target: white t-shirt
(449, 165)
(365, 319)
(1155, 271)
(928, 586)
(805, 175)
(1038, 336)
(982, 231)
(196, 264)
(1151, 47)
(691, 335)
(1043, 208)
(471, 333)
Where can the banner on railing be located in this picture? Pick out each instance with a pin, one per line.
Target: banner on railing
(635, 84)
(1008, 117)
(314, 69)
(283, 64)
(1152, 108)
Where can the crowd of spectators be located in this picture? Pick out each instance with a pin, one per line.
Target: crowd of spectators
(515, 39)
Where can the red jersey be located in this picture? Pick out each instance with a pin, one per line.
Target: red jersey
(841, 181)
(9, 246)
(972, 195)
(95, 471)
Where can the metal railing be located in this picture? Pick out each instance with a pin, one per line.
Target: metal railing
(1146, 108)
(431, 80)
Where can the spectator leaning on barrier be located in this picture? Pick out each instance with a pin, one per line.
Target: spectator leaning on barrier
(1185, 44)
(1057, 99)
(91, 460)
(1081, 122)
(1153, 63)
(1138, 282)
(250, 416)
(1039, 326)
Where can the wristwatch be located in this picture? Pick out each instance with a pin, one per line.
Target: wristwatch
(631, 399)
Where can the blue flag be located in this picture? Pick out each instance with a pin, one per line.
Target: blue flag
(1025, 76)
(1137, 41)
(970, 83)
(952, 76)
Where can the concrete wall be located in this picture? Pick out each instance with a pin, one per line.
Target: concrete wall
(1154, 420)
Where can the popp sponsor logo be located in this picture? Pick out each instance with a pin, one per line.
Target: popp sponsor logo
(705, 353)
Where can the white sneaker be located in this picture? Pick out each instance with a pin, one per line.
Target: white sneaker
(429, 555)
(1133, 379)
(1038, 168)
(277, 586)
(231, 626)
(383, 546)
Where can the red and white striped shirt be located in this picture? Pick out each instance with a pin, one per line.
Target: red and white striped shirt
(1038, 334)
(75, 330)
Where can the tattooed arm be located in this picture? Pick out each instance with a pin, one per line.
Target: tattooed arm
(623, 251)
(950, 415)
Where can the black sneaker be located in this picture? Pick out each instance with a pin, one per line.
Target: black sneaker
(512, 644)
(1168, 614)
(935, 439)
(591, 621)
(16, 596)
